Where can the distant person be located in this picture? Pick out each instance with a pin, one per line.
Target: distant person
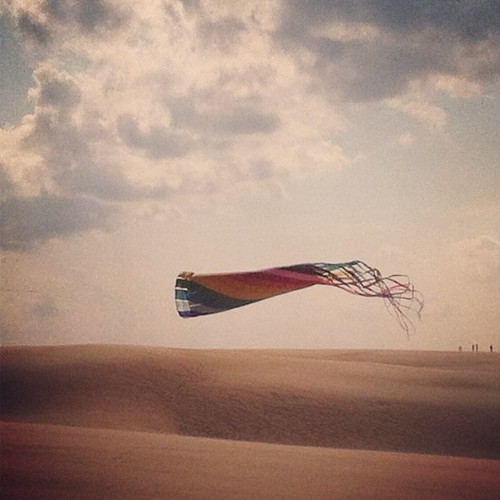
(477, 347)
(473, 347)
(459, 348)
(491, 348)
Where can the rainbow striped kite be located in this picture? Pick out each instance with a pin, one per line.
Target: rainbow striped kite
(201, 294)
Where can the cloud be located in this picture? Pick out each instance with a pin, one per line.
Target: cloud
(43, 308)
(233, 118)
(408, 42)
(223, 33)
(469, 21)
(419, 107)
(33, 29)
(245, 120)
(68, 146)
(157, 142)
(55, 89)
(406, 139)
(7, 187)
(42, 22)
(28, 222)
(134, 102)
(478, 260)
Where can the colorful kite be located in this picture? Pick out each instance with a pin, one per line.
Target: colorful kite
(200, 294)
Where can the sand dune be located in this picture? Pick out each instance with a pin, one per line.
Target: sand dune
(44, 461)
(97, 421)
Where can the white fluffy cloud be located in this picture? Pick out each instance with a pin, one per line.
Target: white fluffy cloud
(135, 101)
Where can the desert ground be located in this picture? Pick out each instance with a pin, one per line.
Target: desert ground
(145, 422)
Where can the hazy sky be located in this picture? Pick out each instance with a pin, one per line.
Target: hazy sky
(141, 139)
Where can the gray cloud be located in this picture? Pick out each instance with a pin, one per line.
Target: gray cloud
(33, 29)
(88, 17)
(67, 146)
(53, 90)
(372, 72)
(27, 222)
(74, 184)
(260, 169)
(106, 183)
(231, 119)
(94, 15)
(191, 5)
(43, 308)
(157, 142)
(16, 75)
(419, 39)
(222, 33)
(470, 21)
(245, 120)
(7, 187)
(73, 140)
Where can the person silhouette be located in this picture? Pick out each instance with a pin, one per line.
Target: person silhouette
(491, 348)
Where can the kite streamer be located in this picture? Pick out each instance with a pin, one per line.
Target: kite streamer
(201, 294)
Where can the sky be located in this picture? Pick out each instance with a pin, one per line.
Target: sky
(141, 139)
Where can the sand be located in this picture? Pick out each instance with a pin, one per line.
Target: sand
(138, 422)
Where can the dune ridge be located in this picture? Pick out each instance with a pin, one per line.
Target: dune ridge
(436, 403)
(387, 417)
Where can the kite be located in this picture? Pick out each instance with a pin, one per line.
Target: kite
(201, 294)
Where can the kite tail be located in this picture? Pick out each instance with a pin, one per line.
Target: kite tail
(400, 296)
